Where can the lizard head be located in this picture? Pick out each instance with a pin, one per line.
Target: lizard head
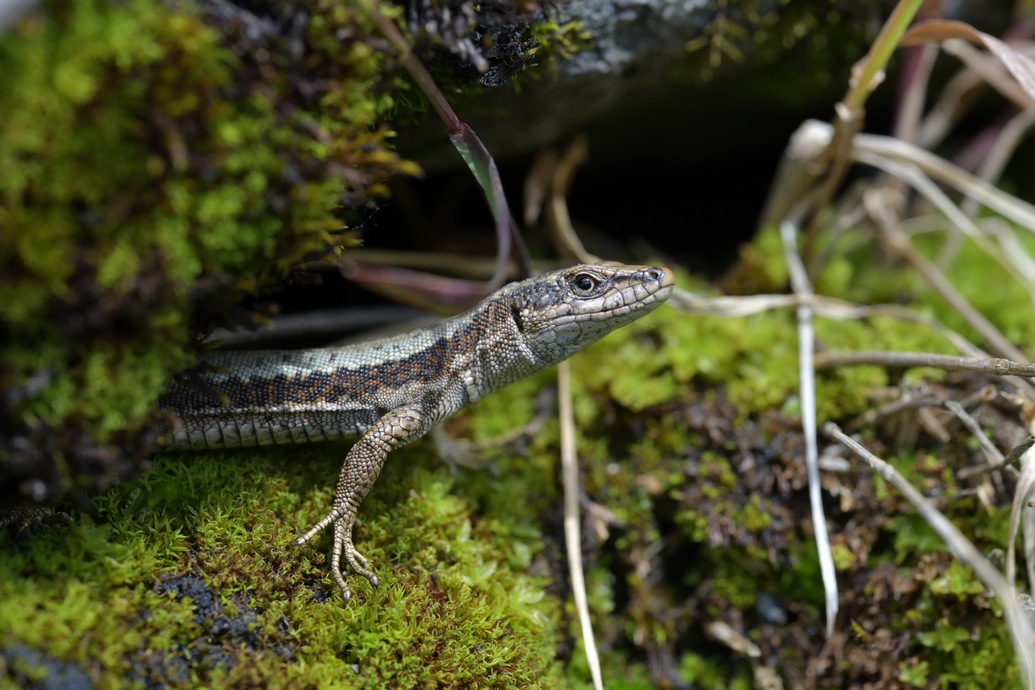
(562, 311)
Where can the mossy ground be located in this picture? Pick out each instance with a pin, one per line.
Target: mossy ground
(185, 577)
(161, 161)
(159, 169)
(690, 447)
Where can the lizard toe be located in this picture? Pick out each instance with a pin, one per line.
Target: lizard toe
(356, 561)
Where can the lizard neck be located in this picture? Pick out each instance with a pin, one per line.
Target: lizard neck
(497, 352)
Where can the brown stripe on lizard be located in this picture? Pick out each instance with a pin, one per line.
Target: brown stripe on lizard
(393, 391)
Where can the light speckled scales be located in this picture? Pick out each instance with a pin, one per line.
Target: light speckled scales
(395, 390)
(300, 396)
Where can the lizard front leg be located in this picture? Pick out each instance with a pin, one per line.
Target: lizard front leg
(358, 473)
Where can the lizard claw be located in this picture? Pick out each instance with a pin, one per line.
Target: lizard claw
(355, 560)
(342, 546)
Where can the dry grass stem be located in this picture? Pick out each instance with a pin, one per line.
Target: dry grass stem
(910, 401)
(1013, 456)
(1020, 508)
(915, 181)
(572, 525)
(807, 393)
(1005, 145)
(995, 340)
(994, 366)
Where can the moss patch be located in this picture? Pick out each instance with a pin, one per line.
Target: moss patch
(163, 160)
(694, 451)
(185, 577)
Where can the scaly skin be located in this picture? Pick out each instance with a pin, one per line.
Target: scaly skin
(393, 391)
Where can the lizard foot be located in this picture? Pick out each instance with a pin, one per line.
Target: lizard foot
(342, 545)
(355, 560)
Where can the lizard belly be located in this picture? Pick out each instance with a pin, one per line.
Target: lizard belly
(239, 428)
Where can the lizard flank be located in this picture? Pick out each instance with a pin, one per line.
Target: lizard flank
(393, 391)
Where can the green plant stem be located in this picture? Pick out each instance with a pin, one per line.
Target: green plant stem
(849, 114)
(471, 149)
(865, 81)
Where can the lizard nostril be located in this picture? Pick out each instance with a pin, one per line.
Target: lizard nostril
(655, 274)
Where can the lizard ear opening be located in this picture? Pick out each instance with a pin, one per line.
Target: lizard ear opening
(516, 315)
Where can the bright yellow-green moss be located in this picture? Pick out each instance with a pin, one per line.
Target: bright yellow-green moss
(456, 603)
(159, 162)
(469, 574)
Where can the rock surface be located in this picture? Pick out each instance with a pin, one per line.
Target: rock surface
(686, 70)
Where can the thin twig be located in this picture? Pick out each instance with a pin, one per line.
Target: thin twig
(413, 66)
(565, 239)
(957, 97)
(992, 454)
(923, 184)
(1013, 456)
(995, 159)
(995, 366)
(937, 280)
(1017, 210)
(1019, 507)
(906, 403)
(897, 241)
(913, 92)
(508, 238)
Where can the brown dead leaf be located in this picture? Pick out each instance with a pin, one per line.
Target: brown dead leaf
(1019, 65)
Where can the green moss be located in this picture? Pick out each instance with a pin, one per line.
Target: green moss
(555, 41)
(972, 658)
(734, 586)
(915, 674)
(455, 602)
(754, 517)
(774, 34)
(163, 163)
(843, 557)
(704, 673)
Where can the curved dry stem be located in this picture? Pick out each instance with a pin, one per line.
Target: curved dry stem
(807, 393)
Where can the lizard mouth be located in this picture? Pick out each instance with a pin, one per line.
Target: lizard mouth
(643, 289)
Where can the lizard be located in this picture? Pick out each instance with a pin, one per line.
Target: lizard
(392, 391)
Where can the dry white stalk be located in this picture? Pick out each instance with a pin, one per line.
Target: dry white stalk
(572, 531)
(807, 395)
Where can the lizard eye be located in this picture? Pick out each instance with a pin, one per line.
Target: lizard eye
(584, 282)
